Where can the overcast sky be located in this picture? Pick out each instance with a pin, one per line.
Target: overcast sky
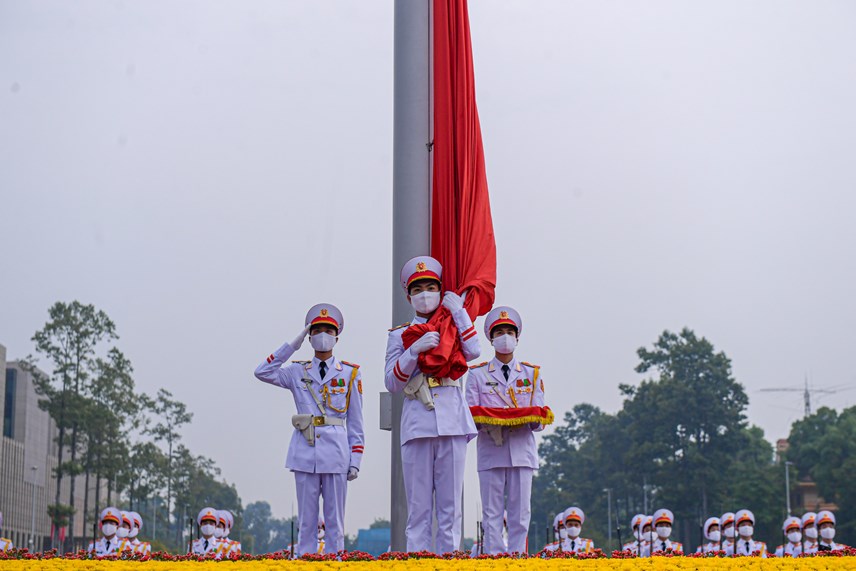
(204, 171)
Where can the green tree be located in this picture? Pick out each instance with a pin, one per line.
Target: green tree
(823, 447)
(679, 441)
(69, 341)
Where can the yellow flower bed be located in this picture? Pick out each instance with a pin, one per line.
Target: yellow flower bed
(656, 564)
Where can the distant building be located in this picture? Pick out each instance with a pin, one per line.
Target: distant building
(28, 457)
(805, 498)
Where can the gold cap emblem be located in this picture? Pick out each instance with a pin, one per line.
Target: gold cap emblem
(324, 312)
(420, 266)
(503, 315)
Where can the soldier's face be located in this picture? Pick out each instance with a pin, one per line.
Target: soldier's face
(421, 286)
(323, 328)
(714, 527)
(503, 330)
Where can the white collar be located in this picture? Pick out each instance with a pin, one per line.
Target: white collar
(418, 320)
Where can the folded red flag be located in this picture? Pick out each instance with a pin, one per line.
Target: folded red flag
(512, 416)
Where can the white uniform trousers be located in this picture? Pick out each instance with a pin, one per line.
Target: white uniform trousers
(496, 484)
(310, 487)
(434, 472)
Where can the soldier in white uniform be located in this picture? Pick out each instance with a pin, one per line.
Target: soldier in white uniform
(726, 524)
(809, 529)
(745, 521)
(663, 520)
(5, 544)
(636, 529)
(110, 520)
(794, 546)
(230, 523)
(327, 444)
(713, 536)
(206, 544)
(826, 527)
(573, 543)
(554, 545)
(141, 547)
(436, 423)
(124, 533)
(507, 456)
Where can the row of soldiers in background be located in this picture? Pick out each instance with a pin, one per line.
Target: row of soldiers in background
(214, 529)
(119, 530)
(651, 535)
(567, 527)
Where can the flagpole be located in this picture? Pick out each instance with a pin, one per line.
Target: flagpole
(411, 189)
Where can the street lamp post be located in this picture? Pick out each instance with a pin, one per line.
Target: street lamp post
(788, 486)
(33, 520)
(609, 514)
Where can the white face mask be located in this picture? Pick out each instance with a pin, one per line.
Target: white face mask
(425, 302)
(207, 529)
(134, 532)
(794, 537)
(637, 534)
(219, 533)
(648, 534)
(322, 342)
(827, 533)
(122, 533)
(714, 536)
(574, 532)
(563, 533)
(504, 344)
(109, 529)
(664, 531)
(321, 533)
(729, 532)
(811, 532)
(746, 530)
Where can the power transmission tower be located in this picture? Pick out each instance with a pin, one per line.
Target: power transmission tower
(807, 392)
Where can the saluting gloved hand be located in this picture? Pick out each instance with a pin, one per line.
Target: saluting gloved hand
(353, 473)
(454, 302)
(298, 341)
(425, 343)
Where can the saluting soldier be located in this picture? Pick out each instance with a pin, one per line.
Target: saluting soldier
(794, 547)
(507, 456)
(327, 444)
(573, 543)
(436, 423)
(207, 542)
(713, 536)
(109, 522)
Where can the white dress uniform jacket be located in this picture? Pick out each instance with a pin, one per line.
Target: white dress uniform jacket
(336, 447)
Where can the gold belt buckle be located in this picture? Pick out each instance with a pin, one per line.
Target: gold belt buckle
(433, 382)
(318, 420)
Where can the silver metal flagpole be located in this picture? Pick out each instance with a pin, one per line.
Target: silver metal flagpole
(411, 189)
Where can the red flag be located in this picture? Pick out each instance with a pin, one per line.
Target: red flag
(461, 225)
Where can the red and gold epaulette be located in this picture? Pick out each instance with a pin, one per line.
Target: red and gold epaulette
(479, 365)
(530, 365)
(354, 365)
(400, 326)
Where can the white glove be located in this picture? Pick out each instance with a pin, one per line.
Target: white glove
(454, 302)
(425, 343)
(353, 473)
(298, 341)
